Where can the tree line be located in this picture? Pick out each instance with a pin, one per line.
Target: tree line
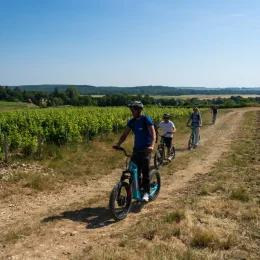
(143, 90)
(72, 96)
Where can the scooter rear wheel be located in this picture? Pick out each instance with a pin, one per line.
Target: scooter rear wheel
(155, 184)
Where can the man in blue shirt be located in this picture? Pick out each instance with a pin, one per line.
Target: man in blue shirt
(144, 132)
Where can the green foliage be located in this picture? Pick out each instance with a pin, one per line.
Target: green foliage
(69, 124)
(72, 92)
(229, 103)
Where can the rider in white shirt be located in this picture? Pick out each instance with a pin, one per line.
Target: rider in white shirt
(168, 128)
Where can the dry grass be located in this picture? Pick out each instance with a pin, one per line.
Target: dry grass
(175, 216)
(12, 234)
(83, 161)
(220, 222)
(73, 164)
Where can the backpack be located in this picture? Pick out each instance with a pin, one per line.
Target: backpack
(145, 126)
(199, 117)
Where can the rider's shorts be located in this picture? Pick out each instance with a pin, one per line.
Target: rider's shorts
(168, 142)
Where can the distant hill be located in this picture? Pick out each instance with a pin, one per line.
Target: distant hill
(150, 90)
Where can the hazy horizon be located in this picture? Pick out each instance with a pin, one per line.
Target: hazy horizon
(127, 86)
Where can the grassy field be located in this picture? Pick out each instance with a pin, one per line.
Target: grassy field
(4, 106)
(193, 96)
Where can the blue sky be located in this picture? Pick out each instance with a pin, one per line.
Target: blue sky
(212, 43)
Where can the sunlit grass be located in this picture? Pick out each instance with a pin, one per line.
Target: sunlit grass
(6, 106)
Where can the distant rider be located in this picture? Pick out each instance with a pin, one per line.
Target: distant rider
(168, 129)
(214, 112)
(196, 122)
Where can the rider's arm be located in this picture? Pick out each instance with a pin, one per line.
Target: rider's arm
(123, 136)
(173, 127)
(200, 122)
(188, 121)
(153, 136)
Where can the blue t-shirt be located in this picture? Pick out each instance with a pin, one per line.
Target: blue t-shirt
(141, 132)
(195, 119)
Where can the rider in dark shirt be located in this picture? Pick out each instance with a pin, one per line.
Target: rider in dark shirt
(214, 111)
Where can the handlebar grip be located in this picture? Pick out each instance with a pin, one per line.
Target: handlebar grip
(117, 148)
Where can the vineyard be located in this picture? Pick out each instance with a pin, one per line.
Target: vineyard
(68, 124)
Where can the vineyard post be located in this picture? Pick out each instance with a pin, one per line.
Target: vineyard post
(5, 147)
(39, 150)
(87, 135)
(66, 134)
(101, 129)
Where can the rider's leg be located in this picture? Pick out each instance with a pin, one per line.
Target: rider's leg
(169, 153)
(213, 118)
(137, 159)
(197, 131)
(168, 143)
(146, 157)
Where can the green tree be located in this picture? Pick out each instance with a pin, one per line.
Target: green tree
(17, 93)
(72, 93)
(3, 94)
(229, 103)
(57, 101)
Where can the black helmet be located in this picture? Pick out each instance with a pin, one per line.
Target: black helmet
(137, 104)
(195, 108)
(166, 115)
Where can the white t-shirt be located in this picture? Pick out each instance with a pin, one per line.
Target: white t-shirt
(167, 127)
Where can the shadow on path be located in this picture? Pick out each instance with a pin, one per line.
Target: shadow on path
(137, 206)
(95, 217)
(181, 149)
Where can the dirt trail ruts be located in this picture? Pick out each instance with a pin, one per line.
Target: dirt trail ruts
(63, 223)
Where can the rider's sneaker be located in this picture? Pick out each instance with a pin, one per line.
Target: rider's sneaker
(146, 197)
(169, 158)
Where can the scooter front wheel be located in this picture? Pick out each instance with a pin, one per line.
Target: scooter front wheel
(120, 200)
(172, 152)
(190, 143)
(158, 158)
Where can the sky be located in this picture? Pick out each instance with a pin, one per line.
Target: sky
(210, 43)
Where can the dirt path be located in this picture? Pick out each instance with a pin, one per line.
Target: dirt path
(61, 224)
